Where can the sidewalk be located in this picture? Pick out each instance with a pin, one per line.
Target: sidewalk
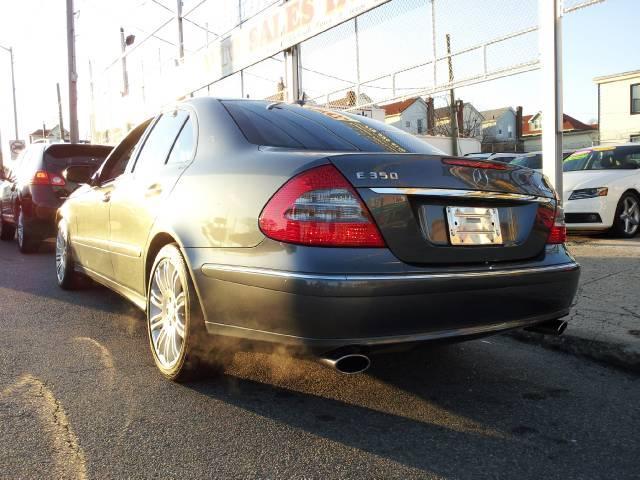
(605, 323)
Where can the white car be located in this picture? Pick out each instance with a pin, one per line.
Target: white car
(602, 189)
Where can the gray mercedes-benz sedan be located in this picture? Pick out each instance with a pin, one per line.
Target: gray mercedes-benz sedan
(282, 224)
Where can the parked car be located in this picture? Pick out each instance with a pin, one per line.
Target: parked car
(33, 188)
(534, 159)
(602, 189)
(311, 228)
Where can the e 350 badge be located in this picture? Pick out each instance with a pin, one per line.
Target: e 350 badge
(378, 175)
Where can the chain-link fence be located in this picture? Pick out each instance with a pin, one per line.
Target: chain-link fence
(397, 51)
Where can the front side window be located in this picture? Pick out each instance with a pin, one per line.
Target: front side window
(635, 98)
(116, 162)
(158, 144)
(634, 138)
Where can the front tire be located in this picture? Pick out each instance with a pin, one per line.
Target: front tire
(27, 241)
(175, 325)
(67, 277)
(627, 219)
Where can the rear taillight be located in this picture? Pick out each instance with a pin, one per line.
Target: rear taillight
(45, 178)
(555, 223)
(319, 207)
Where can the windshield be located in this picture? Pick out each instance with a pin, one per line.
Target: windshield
(606, 158)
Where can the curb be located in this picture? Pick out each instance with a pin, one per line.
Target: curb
(610, 354)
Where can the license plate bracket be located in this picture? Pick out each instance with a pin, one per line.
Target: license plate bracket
(474, 226)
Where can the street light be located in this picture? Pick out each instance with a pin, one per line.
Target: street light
(124, 43)
(13, 87)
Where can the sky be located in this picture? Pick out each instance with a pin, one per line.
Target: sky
(598, 40)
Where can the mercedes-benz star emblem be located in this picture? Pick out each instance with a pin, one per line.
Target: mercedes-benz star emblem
(480, 177)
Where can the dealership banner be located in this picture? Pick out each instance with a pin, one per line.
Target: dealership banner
(277, 28)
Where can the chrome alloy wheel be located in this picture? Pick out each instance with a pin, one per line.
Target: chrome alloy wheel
(61, 254)
(630, 215)
(167, 313)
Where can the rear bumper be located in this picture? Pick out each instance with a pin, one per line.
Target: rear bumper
(325, 311)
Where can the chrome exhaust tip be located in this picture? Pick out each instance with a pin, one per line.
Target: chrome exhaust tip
(349, 363)
(550, 327)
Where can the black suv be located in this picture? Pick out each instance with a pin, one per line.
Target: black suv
(33, 188)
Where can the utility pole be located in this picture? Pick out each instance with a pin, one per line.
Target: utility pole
(13, 88)
(73, 74)
(180, 32)
(453, 123)
(60, 121)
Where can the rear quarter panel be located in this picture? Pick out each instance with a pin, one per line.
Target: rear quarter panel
(217, 201)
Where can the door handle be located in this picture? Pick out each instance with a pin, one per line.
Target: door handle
(106, 197)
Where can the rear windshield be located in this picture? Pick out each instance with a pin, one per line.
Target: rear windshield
(530, 161)
(59, 157)
(310, 128)
(603, 158)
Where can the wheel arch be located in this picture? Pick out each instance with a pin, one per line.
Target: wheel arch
(158, 240)
(631, 190)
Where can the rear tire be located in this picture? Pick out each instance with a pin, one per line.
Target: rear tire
(27, 241)
(626, 223)
(7, 231)
(175, 325)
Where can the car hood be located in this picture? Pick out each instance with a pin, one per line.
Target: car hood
(590, 179)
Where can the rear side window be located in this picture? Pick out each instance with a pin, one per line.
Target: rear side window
(182, 150)
(309, 128)
(156, 147)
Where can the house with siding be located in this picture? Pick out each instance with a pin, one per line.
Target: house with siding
(619, 107)
(575, 134)
(499, 125)
(409, 115)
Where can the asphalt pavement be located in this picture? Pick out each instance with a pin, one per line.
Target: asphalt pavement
(80, 398)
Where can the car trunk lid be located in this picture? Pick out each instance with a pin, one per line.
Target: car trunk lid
(434, 210)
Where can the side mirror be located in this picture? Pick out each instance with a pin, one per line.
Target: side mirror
(78, 174)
